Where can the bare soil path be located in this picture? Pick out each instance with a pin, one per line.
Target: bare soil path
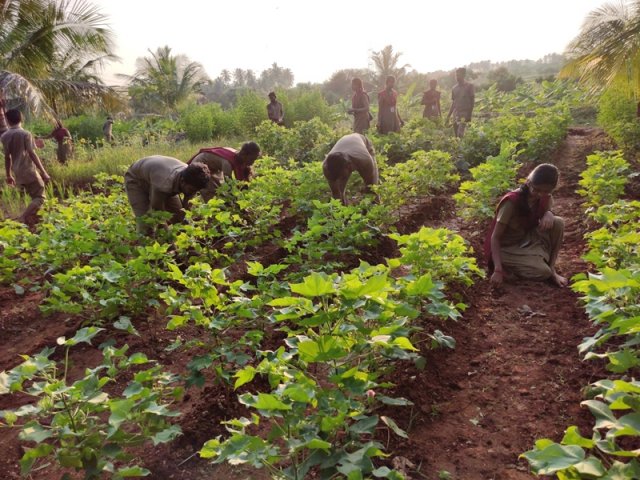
(515, 375)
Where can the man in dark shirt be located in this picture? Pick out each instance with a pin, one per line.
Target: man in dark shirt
(463, 98)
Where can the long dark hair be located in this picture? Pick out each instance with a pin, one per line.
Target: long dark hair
(543, 174)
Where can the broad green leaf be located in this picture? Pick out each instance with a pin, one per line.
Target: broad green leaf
(124, 323)
(83, 335)
(314, 285)
(572, 437)
(243, 376)
(34, 432)
(365, 425)
(264, 401)
(554, 458)
(167, 435)
(210, 449)
(32, 454)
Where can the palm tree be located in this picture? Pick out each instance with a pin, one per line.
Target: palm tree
(607, 49)
(386, 63)
(40, 39)
(164, 80)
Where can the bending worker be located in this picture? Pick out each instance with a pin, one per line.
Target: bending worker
(351, 152)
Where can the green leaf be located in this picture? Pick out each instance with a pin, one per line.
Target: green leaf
(83, 335)
(315, 285)
(138, 359)
(365, 425)
(572, 437)
(553, 458)
(32, 454)
(134, 471)
(264, 401)
(404, 343)
(394, 426)
(124, 323)
(319, 444)
(167, 435)
(210, 449)
(324, 349)
(244, 376)
(34, 432)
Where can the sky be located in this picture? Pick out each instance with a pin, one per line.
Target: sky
(315, 39)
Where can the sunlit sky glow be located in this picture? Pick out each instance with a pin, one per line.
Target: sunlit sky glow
(315, 39)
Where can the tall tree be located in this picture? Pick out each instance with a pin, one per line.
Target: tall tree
(38, 39)
(163, 81)
(386, 63)
(607, 49)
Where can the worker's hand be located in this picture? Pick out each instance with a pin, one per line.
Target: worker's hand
(11, 181)
(497, 278)
(350, 111)
(45, 177)
(546, 222)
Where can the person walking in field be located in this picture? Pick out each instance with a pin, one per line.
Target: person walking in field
(463, 100)
(388, 117)
(359, 107)
(431, 101)
(351, 152)
(65, 143)
(225, 161)
(156, 182)
(275, 112)
(525, 236)
(107, 129)
(22, 165)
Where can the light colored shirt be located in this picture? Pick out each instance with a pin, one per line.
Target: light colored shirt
(159, 175)
(17, 142)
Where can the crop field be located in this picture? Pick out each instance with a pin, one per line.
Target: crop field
(276, 333)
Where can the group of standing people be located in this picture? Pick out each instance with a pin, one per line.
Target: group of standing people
(389, 119)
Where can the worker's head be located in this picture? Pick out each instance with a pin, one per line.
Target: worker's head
(249, 153)
(461, 73)
(193, 178)
(356, 84)
(543, 180)
(13, 116)
(391, 81)
(336, 165)
(272, 96)
(433, 83)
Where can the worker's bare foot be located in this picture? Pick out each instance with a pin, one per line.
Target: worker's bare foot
(559, 280)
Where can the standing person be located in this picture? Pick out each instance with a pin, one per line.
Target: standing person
(155, 183)
(21, 160)
(463, 98)
(223, 161)
(525, 236)
(359, 107)
(388, 117)
(351, 152)
(431, 101)
(107, 129)
(275, 110)
(65, 143)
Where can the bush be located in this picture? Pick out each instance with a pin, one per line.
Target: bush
(617, 116)
(250, 111)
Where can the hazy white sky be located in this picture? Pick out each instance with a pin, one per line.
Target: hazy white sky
(316, 38)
